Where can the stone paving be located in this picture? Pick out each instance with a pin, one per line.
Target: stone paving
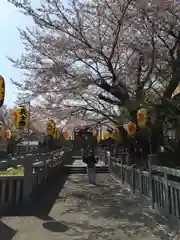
(72, 209)
(82, 211)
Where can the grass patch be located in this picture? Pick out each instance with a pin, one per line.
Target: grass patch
(13, 171)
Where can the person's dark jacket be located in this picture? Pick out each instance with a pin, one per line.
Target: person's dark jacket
(89, 157)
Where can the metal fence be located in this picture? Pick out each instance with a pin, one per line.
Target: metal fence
(156, 184)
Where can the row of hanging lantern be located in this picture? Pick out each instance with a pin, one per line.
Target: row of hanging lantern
(57, 133)
(102, 134)
(142, 119)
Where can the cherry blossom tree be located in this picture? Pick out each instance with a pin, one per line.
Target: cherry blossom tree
(91, 58)
(75, 62)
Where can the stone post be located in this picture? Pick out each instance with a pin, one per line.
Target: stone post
(28, 176)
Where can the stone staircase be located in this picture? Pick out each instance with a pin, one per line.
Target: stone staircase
(79, 167)
(83, 170)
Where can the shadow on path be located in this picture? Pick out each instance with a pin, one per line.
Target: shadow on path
(55, 226)
(6, 231)
(82, 211)
(108, 200)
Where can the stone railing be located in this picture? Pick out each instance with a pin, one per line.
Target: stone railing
(38, 169)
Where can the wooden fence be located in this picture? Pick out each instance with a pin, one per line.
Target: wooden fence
(155, 184)
(38, 169)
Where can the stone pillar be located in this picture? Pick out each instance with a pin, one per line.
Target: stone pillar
(9, 159)
(151, 161)
(125, 158)
(28, 175)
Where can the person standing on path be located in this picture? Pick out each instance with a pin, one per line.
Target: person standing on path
(88, 156)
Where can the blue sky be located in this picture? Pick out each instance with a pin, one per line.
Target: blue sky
(10, 45)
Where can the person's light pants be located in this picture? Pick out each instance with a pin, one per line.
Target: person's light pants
(91, 175)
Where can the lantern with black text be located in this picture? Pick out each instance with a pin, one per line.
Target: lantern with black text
(142, 117)
(131, 128)
(23, 116)
(2, 90)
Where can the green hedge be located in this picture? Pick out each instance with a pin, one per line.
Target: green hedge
(13, 171)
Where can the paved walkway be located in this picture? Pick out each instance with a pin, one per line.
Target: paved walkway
(80, 212)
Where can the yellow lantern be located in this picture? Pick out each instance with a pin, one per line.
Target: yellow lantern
(51, 128)
(8, 134)
(50, 131)
(106, 134)
(142, 117)
(2, 131)
(54, 135)
(2, 90)
(131, 128)
(23, 116)
(16, 117)
(99, 138)
(52, 122)
(116, 134)
(99, 133)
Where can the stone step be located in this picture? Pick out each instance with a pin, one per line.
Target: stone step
(83, 170)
